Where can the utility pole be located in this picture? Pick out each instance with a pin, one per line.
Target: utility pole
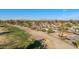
(62, 25)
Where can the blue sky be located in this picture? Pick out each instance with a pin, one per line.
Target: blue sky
(39, 13)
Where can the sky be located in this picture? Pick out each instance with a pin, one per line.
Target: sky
(32, 14)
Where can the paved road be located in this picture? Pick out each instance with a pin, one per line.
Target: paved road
(51, 41)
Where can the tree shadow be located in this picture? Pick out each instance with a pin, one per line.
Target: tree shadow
(2, 33)
(36, 45)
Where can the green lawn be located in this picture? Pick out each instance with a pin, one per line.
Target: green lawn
(17, 38)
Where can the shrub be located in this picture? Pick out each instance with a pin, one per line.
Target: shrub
(50, 30)
(43, 30)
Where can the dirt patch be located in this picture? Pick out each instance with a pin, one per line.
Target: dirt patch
(51, 41)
